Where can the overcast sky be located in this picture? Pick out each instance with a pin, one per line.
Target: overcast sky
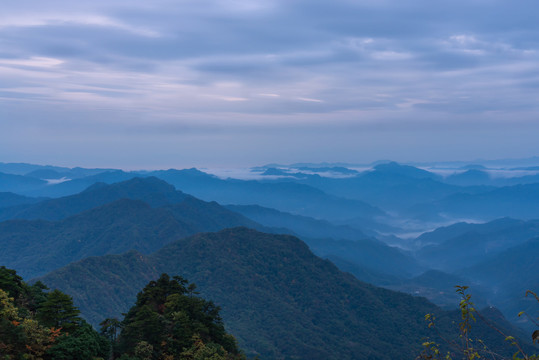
(159, 84)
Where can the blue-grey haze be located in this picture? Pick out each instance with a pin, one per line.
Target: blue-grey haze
(138, 84)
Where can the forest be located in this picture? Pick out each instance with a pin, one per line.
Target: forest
(292, 265)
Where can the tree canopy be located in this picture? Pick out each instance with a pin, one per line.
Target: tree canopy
(169, 320)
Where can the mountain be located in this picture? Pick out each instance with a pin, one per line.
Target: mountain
(295, 198)
(445, 233)
(33, 170)
(78, 184)
(519, 201)
(390, 186)
(370, 254)
(510, 274)
(39, 181)
(331, 241)
(35, 247)
(8, 199)
(363, 273)
(304, 226)
(46, 174)
(397, 169)
(23, 168)
(151, 190)
(277, 298)
(470, 177)
(477, 243)
(439, 287)
(19, 184)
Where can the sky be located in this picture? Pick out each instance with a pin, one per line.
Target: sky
(158, 84)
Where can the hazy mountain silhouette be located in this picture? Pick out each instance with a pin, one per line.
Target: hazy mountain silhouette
(476, 243)
(510, 274)
(34, 247)
(152, 190)
(519, 201)
(291, 197)
(9, 199)
(19, 184)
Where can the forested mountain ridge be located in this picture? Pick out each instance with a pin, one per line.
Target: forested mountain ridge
(35, 247)
(291, 197)
(151, 190)
(144, 213)
(278, 299)
(167, 321)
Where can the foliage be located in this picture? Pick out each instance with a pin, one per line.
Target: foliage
(468, 347)
(278, 299)
(84, 344)
(22, 337)
(168, 318)
(35, 324)
(58, 311)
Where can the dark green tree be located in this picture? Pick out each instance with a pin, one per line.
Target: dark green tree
(83, 344)
(58, 311)
(168, 319)
(12, 283)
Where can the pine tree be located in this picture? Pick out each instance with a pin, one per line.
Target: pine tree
(58, 311)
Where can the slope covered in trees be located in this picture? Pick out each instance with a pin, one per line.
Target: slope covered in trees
(278, 299)
(34, 247)
(36, 324)
(168, 321)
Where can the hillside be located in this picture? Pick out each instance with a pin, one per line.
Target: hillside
(295, 198)
(391, 186)
(463, 245)
(19, 184)
(518, 201)
(151, 190)
(326, 240)
(510, 274)
(277, 298)
(301, 225)
(9, 199)
(35, 247)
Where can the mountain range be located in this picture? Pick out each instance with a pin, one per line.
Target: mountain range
(277, 298)
(101, 234)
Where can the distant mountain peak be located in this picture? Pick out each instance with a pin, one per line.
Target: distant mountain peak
(149, 184)
(192, 171)
(405, 170)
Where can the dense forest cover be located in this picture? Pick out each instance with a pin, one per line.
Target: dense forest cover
(168, 321)
(281, 296)
(278, 299)
(36, 324)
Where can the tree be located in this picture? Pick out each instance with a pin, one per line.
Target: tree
(58, 311)
(168, 319)
(12, 283)
(471, 348)
(19, 336)
(84, 344)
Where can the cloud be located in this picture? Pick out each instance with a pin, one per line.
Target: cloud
(196, 64)
(68, 20)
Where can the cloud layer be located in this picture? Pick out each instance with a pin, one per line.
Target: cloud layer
(178, 83)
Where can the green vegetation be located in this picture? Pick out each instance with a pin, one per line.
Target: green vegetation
(120, 225)
(168, 321)
(35, 324)
(278, 298)
(471, 347)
